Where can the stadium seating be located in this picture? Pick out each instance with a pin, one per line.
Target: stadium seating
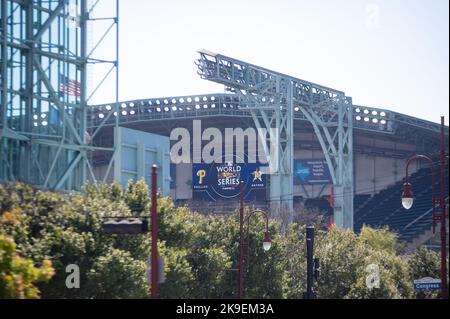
(385, 208)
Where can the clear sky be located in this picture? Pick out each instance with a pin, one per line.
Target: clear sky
(391, 54)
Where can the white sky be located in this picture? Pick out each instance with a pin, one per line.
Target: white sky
(391, 54)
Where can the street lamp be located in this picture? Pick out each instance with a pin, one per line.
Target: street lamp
(267, 242)
(407, 196)
(408, 200)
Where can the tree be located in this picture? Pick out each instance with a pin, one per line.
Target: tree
(201, 251)
(350, 264)
(425, 263)
(18, 276)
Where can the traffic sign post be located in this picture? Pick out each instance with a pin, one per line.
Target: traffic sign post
(427, 283)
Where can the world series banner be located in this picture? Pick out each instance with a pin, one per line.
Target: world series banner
(311, 171)
(219, 181)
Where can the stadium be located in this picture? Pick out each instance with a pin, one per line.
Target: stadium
(295, 150)
(382, 142)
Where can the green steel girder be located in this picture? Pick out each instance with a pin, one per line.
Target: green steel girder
(44, 62)
(274, 96)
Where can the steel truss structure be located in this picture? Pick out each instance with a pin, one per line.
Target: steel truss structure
(273, 97)
(172, 110)
(45, 58)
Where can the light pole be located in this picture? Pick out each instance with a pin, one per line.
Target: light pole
(408, 200)
(312, 264)
(267, 242)
(154, 236)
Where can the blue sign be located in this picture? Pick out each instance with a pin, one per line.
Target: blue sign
(218, 181)
(427, 283)
(311, 171)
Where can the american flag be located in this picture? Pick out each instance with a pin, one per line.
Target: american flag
(69, 86)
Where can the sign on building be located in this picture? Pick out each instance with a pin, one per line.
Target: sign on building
(311, 171)
(218, 181)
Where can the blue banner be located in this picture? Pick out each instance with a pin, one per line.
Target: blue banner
(427, 283)
(218, 181)
(311, 171)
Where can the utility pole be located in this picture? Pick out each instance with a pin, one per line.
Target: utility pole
(312, 264)
(154, 236)
(444, 292)
(241, 241)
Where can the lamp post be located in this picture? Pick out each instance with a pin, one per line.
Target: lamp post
(267, 242)
(154, 236)
(408, 200)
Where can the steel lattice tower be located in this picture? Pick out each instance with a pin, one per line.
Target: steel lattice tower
(271, 98)
(45, 59)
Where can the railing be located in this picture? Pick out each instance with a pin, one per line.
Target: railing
(421, 216)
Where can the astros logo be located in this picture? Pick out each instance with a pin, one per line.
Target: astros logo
(201, 174)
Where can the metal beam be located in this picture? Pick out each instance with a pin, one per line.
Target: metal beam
(324, 107)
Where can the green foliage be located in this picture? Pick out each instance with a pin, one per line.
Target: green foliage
(18, 276)
(425, 263)
(201, 252)
(117, 275)
(347, 261)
